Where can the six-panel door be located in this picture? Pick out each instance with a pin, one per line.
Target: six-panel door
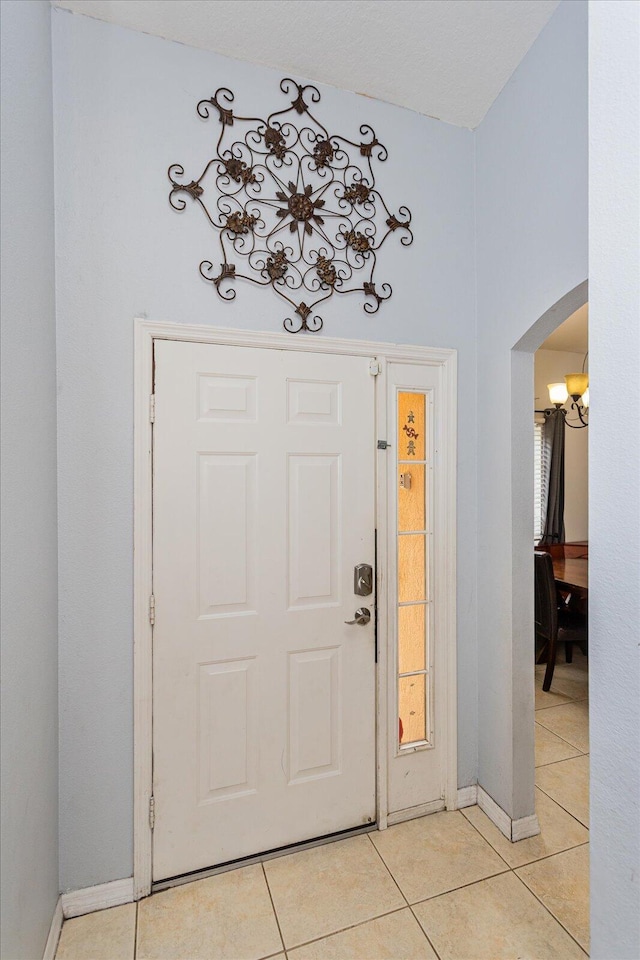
(263, 697)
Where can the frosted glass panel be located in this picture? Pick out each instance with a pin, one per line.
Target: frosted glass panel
(411, 638)
(411, 503)
(411, 426)
(412, 708)
(411, 568)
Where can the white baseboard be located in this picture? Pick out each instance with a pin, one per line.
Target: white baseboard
(467, 796)
(411, 813)
(513, 830)
(79, 902)
(524, 828)
(54, 932)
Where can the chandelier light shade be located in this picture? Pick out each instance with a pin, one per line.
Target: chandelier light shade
(577, 383)
(558, 393)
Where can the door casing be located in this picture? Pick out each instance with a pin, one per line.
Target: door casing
(145, 332)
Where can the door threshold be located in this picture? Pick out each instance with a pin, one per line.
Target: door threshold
(260, 857)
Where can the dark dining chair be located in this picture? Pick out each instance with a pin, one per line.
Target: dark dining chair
(554, 622)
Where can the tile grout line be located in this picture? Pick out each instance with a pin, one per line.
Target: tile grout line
(428, 938)
(551, 914)
(546, 710)
(351, 926)
(557, 801)
(497, 852)
(273, 907)
(500, 873)
(539, 766)
(552, 706)
(547, 855)
(135, 934)
(384, 863)
(513, 871)
(564, 739)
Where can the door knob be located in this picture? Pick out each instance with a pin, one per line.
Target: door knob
(362, 615)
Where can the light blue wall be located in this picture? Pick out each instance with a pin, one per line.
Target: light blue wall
(614, 471)
(531, 204)
(29, 774)
(125, 109)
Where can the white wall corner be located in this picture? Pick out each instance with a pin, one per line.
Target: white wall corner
(54, 932)
(467, 796)
(89, 899)
(513, 830)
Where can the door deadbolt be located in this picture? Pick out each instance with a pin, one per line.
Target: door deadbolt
(362, 615)
(362, 579)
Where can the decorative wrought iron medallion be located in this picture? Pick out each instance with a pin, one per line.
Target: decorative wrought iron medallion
(299, 204)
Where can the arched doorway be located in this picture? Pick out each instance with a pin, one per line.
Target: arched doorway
(522, 598)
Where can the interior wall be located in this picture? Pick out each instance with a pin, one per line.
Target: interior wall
(614, 467)
(29, 774)
(550, 366)
(125, 108)
(531, 242)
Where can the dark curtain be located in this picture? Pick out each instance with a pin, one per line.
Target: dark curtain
(554, 437)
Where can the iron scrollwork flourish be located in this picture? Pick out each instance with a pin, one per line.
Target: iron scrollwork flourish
(298, 203)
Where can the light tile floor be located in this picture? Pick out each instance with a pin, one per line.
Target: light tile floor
(448, 886)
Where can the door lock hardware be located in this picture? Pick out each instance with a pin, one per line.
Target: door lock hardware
(405, 481)
(362, 615)
(362, 579)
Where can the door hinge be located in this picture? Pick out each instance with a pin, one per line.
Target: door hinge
(152, 609)
(152, 812)
(152, 408)
(375, 367)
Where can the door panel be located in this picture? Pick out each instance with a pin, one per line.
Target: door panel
(264, 698)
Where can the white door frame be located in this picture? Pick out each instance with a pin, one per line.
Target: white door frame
(145, 332)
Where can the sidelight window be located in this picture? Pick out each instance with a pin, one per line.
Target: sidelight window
(413, 496)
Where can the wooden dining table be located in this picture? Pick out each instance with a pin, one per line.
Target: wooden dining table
(572, 574)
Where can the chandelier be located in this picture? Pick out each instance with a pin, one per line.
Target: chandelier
(576, 388)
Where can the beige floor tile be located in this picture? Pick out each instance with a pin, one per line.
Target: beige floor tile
(569, 686)
(398, 936)
(562, 884)
(569, 679)
(579, 667)
(104, 935)
(570, 722)
(320, 891)
(549, 747)
(434, 854)
(496, 919)
(558, 831)
(550, 699)
(567, 783)
(220, 918)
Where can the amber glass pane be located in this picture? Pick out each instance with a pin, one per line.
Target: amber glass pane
(411, 426)
(412, 708)
(411, 638)
(411, 572)
(411, 496)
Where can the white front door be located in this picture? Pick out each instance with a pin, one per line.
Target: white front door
(263, 697)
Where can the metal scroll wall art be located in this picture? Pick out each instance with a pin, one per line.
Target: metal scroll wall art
(299, 206)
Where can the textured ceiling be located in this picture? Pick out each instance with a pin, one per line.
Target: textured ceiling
(572, 335)
(444, 58)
